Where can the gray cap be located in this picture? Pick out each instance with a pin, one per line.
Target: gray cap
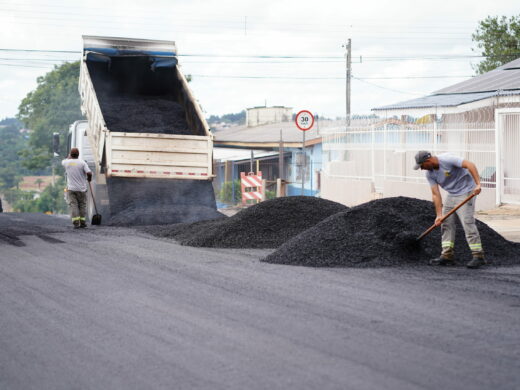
(421, 157)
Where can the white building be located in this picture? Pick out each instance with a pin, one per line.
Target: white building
(477, 119)
(257, 116)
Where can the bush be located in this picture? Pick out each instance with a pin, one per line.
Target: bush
(51, 200)
(226, 192)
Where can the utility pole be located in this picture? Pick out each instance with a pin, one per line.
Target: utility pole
(281, 158)
(348, 63)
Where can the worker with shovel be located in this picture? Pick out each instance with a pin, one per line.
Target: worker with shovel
(461, 180)
(78, 173)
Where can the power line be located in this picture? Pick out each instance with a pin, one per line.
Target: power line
(327, 77)
(238, 20)
(325, 57)
(25, 66)
(275, 77)
(41, 51)
(389, 89)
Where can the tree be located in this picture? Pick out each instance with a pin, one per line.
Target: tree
(239, 118)
(51, 107)
(39, 181)
(499, 40)
(12, 141)
(51, 200)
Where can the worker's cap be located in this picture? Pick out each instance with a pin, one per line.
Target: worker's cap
(420, 157)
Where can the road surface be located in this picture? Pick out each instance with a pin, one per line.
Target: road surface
(113, 308)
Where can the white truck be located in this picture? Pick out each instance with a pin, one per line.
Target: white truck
(146, 138)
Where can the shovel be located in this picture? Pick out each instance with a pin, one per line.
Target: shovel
(96, 218)
(446, 216)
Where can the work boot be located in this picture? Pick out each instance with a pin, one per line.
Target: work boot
(75, 224)
(442, 260)
(476, 262)
(82, 224)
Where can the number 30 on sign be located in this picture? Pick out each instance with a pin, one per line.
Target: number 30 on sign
(304, 120)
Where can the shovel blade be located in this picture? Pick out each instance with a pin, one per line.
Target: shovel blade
(96, 219)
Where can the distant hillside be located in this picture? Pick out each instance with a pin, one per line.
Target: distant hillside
(12, 122)
(237, 119)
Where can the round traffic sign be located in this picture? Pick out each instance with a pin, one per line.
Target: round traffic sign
(304, 120)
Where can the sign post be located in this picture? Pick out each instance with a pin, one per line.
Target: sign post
(304, 121)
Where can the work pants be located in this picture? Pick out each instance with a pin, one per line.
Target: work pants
(78, 207)
(466, 216)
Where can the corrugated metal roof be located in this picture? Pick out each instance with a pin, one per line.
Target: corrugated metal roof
(439, 101)
(240, 154)
(271, 133)
(505, 77)
(504, 80)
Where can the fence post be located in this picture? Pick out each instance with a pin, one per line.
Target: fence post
(385, 135)
(498, 162)
(373, 162)
(311, 174)
(232, 182)
(435, 146)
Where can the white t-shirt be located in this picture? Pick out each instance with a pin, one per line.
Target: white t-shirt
(76, 170)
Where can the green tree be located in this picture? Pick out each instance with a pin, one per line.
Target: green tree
(51, 107)
(498, 39)
(238, 118)
(231, 192)
(12, 142)
(51, 200)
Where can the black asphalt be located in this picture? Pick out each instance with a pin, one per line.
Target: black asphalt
(114, 308)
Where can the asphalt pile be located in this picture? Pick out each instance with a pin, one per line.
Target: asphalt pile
(265, 225)
(135, 98)
(134, 113)
(382, 233)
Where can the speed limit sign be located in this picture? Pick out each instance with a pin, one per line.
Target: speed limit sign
(304, 120)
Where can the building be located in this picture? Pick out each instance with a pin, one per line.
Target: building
(299, 166)
(477, 119)
(258, 116)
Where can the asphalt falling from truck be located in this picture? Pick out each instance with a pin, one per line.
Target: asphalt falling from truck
(158, 202)
(377, 234)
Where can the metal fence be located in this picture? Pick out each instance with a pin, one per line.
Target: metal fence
(379, 149)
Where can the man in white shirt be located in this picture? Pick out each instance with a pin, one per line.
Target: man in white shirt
(78, 173)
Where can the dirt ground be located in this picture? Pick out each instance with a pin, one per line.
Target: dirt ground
(504, 219)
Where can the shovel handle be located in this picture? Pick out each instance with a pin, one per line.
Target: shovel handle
(93, 199)
(444, 217)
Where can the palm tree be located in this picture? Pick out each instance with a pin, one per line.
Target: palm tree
(38, 181)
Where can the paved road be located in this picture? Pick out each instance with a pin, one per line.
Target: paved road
(111, 308)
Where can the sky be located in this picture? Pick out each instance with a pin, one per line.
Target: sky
(252, 53)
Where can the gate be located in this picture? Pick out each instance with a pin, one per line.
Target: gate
(508, 155)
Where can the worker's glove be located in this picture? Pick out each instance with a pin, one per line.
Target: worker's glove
(89, 178)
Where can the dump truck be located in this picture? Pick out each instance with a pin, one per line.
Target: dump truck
(145, 137)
